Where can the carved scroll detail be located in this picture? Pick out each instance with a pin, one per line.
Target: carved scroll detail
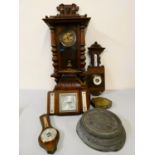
(68, 10)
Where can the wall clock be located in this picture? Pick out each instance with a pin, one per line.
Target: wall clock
(68, 38)
(71, 94)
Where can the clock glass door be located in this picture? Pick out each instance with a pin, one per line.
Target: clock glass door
(68, 46)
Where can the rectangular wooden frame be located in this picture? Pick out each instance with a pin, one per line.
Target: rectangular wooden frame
(56, 102)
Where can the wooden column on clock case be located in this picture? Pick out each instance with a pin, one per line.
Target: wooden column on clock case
(54, 54)
(82, 48)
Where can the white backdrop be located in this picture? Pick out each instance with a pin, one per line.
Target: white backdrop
(112, 25)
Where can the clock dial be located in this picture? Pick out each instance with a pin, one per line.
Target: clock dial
(68, 38)
(48, 135)
(97, 80)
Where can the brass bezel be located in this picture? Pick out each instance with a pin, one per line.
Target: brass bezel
(69, 44)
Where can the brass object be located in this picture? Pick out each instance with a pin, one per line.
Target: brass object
(95, 71)
(100, 102)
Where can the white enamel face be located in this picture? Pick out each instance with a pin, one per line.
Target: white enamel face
(97, 80)
(68, 102)
(48, 135)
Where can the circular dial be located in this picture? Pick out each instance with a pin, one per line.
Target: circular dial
(48, 135)
(97, 80)
(68, 38)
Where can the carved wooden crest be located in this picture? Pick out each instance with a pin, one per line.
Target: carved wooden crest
(68, 10)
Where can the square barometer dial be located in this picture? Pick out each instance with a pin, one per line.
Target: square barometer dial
(68, 102)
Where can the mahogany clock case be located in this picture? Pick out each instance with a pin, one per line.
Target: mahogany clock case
(68, 20)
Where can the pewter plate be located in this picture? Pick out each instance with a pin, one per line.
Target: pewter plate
(102, 130)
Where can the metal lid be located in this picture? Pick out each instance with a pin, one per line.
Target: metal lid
(101, 130)
(102, 123)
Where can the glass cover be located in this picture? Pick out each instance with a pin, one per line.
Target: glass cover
(48, 135)
(68, 102)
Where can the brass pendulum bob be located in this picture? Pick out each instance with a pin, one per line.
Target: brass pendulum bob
(49, 136)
